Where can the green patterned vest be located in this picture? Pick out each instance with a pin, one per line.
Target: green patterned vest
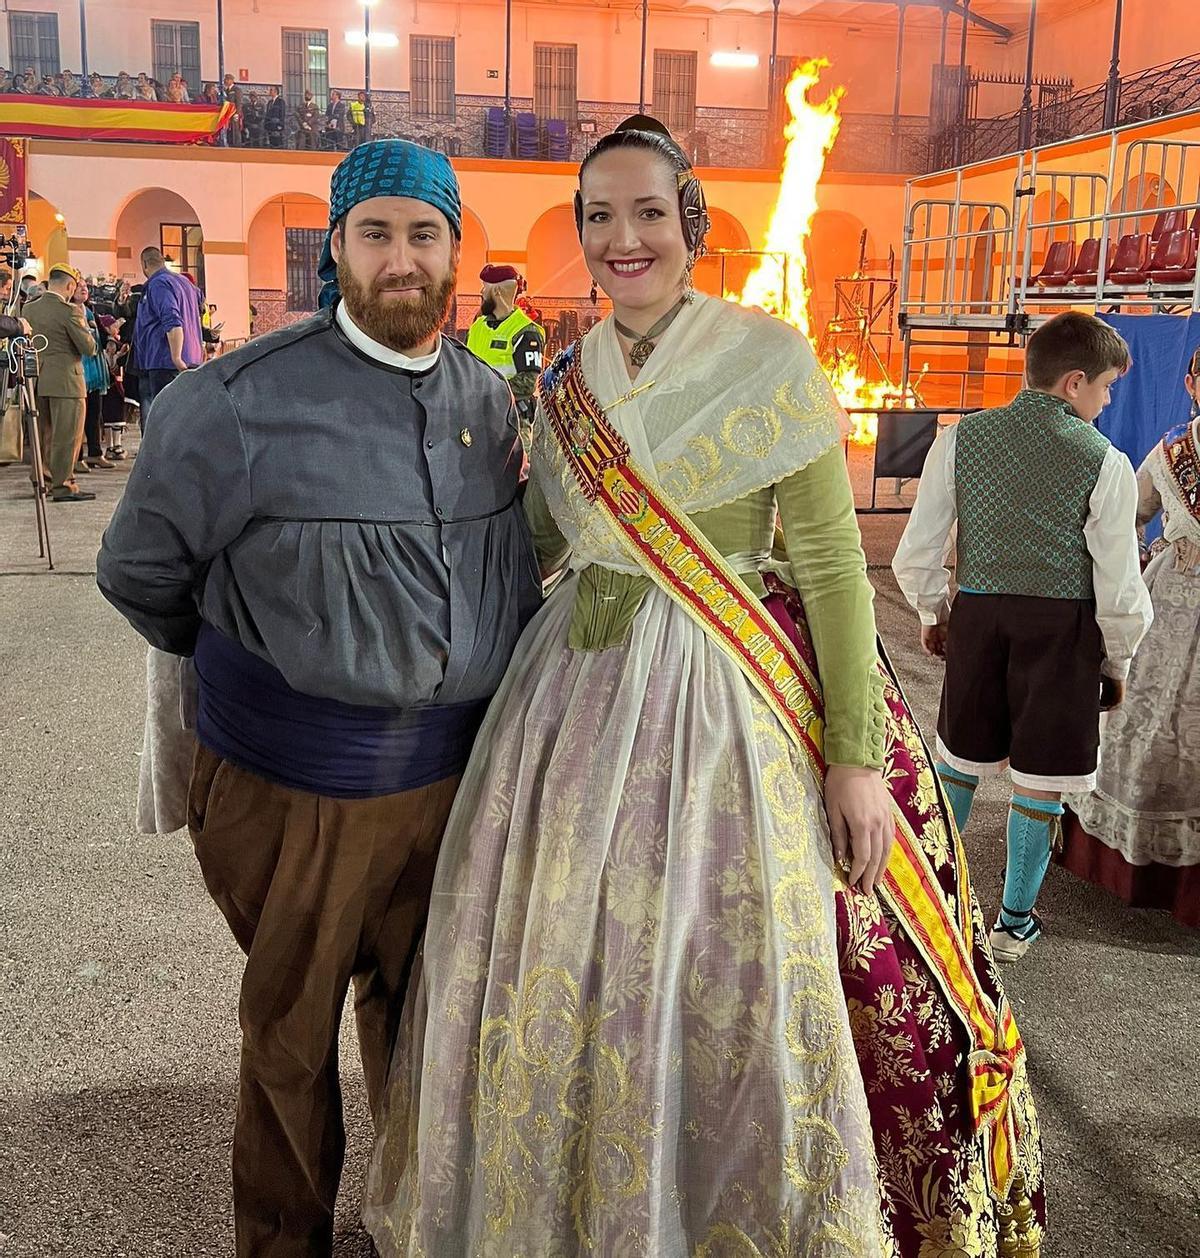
(1023, 476)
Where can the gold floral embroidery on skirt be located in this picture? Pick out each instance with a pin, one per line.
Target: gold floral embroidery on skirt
(544, 1045)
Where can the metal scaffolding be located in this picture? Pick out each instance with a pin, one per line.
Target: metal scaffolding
(980, 273)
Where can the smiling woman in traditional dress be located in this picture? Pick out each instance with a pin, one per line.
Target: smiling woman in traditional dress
(1137, 833)
(653, 1017)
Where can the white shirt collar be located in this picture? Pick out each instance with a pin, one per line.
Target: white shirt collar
(372, 348)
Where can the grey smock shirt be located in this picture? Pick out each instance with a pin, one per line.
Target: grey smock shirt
(352, 526)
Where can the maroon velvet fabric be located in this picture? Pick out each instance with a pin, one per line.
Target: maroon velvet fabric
(911, 1047)
(1174, 891)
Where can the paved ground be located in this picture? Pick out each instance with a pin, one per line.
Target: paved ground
(118, 982)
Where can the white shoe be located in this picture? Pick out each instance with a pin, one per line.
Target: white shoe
(1011, 943)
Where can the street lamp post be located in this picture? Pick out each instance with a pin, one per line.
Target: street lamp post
(902, 10)
(1112, 90)
(369, 39)
(85, 87)
(773, 78)
(642, 75)
(366, 4)
(1026, 137)
(508, 16)
(221, 45)
(963, 93)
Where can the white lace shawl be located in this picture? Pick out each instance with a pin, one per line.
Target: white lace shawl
(731, 401)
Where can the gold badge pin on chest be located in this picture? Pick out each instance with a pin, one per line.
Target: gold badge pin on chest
(465, 437)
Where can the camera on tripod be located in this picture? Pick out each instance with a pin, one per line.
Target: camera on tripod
(18, 375)
(22, 355)
(15, 250)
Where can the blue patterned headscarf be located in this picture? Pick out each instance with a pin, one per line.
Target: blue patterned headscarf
(387, 168)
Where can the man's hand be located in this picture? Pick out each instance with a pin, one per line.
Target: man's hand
(933, 640)
(860, 823)
(1112, 693)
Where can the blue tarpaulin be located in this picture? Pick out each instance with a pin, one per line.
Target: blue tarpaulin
(1150, 398)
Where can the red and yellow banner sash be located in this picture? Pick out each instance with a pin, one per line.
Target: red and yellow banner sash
(14, 188)
(90, 118)
(1183, 464)
(696, 577)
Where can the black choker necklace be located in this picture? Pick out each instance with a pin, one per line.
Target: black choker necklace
(643, 344)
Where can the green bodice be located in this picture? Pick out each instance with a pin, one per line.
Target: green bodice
(824, 552)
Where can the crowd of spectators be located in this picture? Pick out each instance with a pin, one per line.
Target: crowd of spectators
(259, 121)
(67, 83)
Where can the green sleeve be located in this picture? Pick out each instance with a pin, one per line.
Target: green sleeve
(548, 542)
(523, 384)
(824, 549)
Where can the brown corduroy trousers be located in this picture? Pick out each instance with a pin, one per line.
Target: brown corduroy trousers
(318, 892)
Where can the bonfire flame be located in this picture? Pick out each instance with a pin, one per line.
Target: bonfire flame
(779, 284)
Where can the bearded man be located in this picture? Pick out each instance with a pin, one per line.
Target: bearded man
(327, 519)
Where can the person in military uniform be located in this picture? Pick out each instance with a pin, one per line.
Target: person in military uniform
(506, 338)
(61, 391)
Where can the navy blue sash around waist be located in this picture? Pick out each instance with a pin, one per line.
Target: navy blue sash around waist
(248, 714)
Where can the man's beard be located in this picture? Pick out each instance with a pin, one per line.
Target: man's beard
(400, 324)
(487, 307)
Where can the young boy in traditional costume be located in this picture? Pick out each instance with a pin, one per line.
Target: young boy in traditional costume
(1051, 605)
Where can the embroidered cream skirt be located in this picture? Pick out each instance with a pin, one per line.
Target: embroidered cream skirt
(628, 1035)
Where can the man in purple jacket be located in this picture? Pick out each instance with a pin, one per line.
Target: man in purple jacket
(167, 338)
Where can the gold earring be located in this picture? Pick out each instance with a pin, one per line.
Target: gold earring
(689, 289)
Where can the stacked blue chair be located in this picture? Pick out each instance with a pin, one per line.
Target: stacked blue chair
(495, 135)
(529, 142)
(558, 141)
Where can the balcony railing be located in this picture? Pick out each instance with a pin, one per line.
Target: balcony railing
(1172, 87)
(721, 137)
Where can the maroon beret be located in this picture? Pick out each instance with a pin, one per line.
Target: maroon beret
(498, 273)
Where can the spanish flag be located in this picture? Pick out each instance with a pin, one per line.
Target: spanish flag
(87, 118)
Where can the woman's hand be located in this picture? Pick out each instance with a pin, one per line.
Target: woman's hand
(860, 822)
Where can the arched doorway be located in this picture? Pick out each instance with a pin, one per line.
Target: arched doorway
(284, 245)
(1142, 192)
(836, 244)
(1046, 213)
(165, 220)
(48, 237)
(474, 252)
(555, 260)
(714, 273)
(471, 261)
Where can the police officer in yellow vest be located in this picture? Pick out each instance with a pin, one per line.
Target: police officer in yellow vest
(506, 338)
(362, 120)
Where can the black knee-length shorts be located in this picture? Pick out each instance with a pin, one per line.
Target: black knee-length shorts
(1023, 683)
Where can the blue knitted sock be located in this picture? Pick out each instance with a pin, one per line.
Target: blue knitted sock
(960, 791)
(1033, 828)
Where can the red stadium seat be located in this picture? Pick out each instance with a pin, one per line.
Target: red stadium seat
(1085, 272)
(1195, 224)
(1132, 260)
(1168, 221)
(1174, 262)
(1060, 258)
